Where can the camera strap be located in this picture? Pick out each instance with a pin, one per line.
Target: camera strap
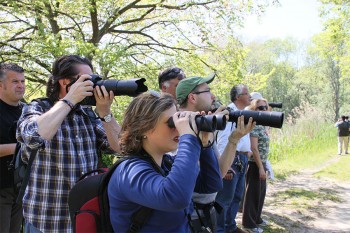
(70, 84)
(197, 134)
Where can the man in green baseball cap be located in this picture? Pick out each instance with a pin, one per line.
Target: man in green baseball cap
(193, 93)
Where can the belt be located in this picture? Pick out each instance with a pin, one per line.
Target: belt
(241, 153)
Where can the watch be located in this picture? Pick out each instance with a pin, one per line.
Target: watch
(107, 118)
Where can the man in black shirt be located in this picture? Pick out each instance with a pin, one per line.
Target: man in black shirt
(12, 88)
(343, 134)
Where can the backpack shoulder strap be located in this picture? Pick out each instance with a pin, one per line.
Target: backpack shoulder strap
(27, 174)
(46, 104)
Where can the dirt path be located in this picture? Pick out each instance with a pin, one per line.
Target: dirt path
(305, 204)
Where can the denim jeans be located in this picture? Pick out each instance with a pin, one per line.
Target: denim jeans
(230, 196)
(29, 228)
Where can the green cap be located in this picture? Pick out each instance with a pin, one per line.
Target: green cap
(187, 85)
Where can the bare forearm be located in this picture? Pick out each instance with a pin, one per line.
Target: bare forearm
(7, 149)
(257, 159)
(112, 129)
(227, 157)
(49, 122)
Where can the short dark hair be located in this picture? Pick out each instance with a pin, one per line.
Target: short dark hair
(170, 73)
(9, 66)
(63, 67)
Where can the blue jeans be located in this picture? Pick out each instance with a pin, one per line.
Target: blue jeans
(29, 228)
(230, 196)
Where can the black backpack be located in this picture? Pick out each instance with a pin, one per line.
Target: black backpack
(21, 170)
(89, 205)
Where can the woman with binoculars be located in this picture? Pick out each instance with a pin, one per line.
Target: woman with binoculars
(153, 179)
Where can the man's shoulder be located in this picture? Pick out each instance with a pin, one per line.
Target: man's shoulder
(343, 124)
(232, 106)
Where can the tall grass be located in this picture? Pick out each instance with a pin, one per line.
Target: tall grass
(305, 140)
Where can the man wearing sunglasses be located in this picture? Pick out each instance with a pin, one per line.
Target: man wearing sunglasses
(169, 78)
(234, 181)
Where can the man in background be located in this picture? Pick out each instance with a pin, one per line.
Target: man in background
(234, 181)
(194, 94)
(169, 78)
(12, 88)
(343, 134)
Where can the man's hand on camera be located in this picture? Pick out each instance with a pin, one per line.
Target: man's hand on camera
(104, 100)
(241, 129)
(82, 88)
(222, 110)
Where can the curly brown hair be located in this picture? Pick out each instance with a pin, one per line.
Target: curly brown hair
(141, 116)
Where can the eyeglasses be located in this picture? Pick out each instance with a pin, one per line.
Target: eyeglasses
(244, 94)
(199, 92)
(262, 108)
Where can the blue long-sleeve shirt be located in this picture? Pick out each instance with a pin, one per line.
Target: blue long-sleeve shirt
(209, 179)
(135, 183)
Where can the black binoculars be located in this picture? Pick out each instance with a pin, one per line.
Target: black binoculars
(207, 123)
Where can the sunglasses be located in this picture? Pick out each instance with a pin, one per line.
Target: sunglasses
(172, 73)
(262, 108)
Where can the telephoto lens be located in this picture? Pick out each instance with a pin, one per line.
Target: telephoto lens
(275, 104)
(272, 119)
(205, 123)
(131, 87)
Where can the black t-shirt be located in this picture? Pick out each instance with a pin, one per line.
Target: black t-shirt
(9, 116)
(343, 129)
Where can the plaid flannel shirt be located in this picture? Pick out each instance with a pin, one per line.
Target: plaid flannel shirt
(58, 164)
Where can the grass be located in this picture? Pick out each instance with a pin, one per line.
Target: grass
(304, 143)
(301, 146)
(303, 197)
(338, 170)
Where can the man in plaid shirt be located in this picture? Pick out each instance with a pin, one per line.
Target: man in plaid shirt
(67, 141)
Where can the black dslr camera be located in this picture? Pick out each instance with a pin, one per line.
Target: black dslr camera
(131, 87)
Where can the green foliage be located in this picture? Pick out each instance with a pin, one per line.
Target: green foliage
(271, 69)
(125, 39)
(303, 142)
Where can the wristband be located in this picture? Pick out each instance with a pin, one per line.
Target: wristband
(70, 104)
